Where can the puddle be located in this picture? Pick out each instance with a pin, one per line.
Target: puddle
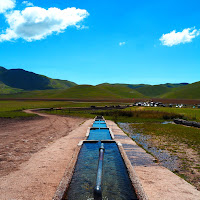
(167, 122)
(165, 158)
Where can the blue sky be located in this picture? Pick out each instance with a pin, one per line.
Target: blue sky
(111, 41)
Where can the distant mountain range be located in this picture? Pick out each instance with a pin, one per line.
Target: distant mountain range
(18, 83)
(18, 80)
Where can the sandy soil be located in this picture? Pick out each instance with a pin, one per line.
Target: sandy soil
(21, 138)
(34, 154)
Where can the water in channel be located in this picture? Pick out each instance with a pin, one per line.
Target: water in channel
(99, 134)
(99, 125)
(116, 184)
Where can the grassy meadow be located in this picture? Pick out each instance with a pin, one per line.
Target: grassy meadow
(188, 113)
(123, 115)
(139, 114)
(13, 109)
(180, 141)
(172, 132)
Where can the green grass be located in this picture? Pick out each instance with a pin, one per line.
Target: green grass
(125, 115)
(172, 132)
(181, 141)
(69, 112)
(13, 109)
(142, 114)
(189, 113)
(129, 115)
(21, 79)
(190, 91)
(121, 90)
(4, 89)
(81, 92)
(30, 85)
(153, 90)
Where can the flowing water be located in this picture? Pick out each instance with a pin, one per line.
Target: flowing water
(99, 134)
(99, 125)
(116, 184)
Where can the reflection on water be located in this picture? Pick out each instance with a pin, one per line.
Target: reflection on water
(165, 158)
(116, 184)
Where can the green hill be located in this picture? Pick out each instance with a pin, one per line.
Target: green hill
(153, 90)
(174, 85)
(21, 79)
(4, 89)
(158, 90)
(141, 90)
(190, 91)
(18, 83)
(80, 92)
(121, 90)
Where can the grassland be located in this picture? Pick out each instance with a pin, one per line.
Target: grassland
(125, 115)
(172, 133)
(123, 91)
(153, 90)
(60, 89)
(13, 109)
(129, 115)
(190, 91)
(188, 113)
(81, 92)
(180, 141)
(4, 89)
(132, 114)
(25, 80)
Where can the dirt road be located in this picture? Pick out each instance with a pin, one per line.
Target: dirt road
(34, 154)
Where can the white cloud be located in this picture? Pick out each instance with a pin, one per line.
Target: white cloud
(122, 43)
(175, 38)
(27, 3)
(6, 5)
(35, 23)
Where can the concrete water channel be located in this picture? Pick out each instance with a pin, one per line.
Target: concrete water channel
(100, 171)
(114, 163)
